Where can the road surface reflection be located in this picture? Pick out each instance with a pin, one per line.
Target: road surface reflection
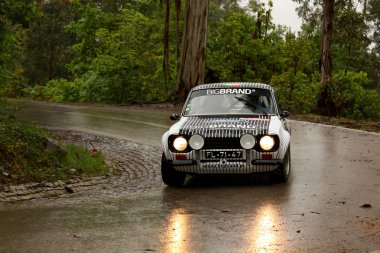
(264, 236)
(246, 219)
(177, 231)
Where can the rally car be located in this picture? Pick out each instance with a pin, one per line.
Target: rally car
(227, 128)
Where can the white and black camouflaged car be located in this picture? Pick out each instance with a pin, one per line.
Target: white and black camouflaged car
(227, 128)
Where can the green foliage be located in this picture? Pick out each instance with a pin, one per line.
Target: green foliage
(83, 161)
(351, 99)
(62, 90)
(111, 51)
(10, 72)
(7, 110)
(36, 92)
(85, 28)
(118, 57)
(24, 156)
(350, 38)
(47, 46)
(14, 16)
(17, 11)
(298, 84)
(300, 54)
(296, 93)
(234, 54)
(374, 17)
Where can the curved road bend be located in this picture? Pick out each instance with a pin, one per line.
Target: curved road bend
(330, 204)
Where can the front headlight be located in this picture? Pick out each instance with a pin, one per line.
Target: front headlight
(247, 141)
(180, 143)
(196, 142)
(267, 142)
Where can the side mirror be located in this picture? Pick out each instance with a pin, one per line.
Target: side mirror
(174, 116)
(285, 114)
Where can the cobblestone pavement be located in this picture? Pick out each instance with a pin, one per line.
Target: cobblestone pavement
(134, 168)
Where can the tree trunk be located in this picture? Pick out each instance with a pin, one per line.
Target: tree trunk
(178, 39)
(166, 45)
(193, 53)
(325, 102)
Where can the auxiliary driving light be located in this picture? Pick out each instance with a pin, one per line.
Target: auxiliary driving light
(247, 141)
(267, 142)
(180, 143)
(196, 142)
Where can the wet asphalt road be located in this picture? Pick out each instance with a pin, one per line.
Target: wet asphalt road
(137, 125)
(330, 204)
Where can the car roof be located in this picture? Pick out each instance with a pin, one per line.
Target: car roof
(233, 85)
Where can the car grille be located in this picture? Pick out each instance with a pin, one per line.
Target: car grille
(222, 143)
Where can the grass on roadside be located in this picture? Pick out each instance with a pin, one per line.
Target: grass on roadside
(25, 156)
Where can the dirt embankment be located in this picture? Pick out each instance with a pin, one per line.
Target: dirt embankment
(370, 126)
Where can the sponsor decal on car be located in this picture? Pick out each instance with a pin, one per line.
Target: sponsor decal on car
(230, 91)
(235, 126)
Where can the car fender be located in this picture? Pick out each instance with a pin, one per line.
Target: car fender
(277, 127)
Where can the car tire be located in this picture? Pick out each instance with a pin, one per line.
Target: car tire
(281, 175)
(170, 176)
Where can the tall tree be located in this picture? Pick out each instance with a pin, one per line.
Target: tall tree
(374, 15)
(350, 37)
(193, 54)
(166, 67)
(14, 17)
(48, 46)
(325, 103)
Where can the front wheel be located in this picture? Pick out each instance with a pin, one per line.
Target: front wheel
(281, 175)
(169, 175)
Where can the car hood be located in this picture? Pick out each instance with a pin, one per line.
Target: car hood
(226, 127)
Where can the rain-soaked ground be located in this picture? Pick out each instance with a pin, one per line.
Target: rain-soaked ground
(330, 204)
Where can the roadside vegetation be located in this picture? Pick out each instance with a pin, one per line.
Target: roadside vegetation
(27, 154)
(111, 51)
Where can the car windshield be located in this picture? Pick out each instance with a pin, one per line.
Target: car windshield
(230, 101)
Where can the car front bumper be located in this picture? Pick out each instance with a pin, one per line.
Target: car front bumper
(251, 162)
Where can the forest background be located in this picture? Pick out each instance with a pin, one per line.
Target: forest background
(111, 51)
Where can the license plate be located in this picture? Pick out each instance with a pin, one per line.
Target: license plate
(223, 154)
